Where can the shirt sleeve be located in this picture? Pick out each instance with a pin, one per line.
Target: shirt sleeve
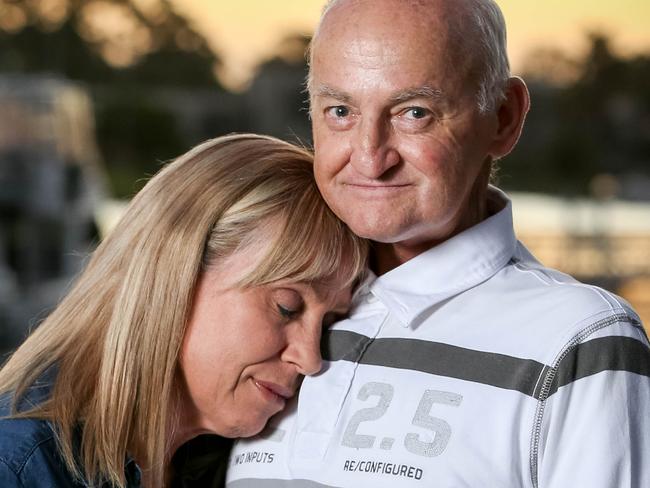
(593, 428)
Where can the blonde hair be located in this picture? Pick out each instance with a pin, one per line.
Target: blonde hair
(114, 340)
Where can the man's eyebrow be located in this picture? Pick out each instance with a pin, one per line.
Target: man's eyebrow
(329, 92)
(399, 97)
(417, 92)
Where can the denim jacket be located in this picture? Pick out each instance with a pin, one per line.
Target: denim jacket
(29, 455)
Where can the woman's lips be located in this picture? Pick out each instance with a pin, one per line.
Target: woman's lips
(274, 391)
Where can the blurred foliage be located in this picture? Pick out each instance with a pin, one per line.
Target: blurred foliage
(91, 40)
(277, 95)
(126, 52)
(139, 125)
(152, 78)
(589, 117)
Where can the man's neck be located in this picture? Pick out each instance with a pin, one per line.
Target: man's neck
(388, 256)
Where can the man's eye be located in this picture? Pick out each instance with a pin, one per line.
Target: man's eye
(339, 111)
(417, 112)
(414, 118)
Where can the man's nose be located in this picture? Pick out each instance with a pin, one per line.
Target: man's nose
(303, 349)
(372, 152)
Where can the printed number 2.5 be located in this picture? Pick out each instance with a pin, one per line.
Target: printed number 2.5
(385, 393)
(441, 429)
(412, 441)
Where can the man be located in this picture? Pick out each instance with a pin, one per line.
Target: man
(464, 362)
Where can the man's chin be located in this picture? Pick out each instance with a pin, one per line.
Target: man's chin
(378, 234)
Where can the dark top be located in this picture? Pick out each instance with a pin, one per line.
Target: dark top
(201, 463)
(29, 455)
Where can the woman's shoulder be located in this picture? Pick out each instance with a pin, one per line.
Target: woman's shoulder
(21, 436)
(29, 454)
(23, 440)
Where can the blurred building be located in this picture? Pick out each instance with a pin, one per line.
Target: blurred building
(277, 99)
(51, 182)
(604, 242)
(279, 105)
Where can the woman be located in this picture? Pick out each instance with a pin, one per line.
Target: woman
(197, 314)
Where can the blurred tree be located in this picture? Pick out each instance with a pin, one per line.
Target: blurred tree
(277, 95)
(133, 128)
(552, 66)
(105, 41)
(611, 102)
(131, 54)
(589, 117)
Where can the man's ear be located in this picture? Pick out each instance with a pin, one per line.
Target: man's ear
(511, 114)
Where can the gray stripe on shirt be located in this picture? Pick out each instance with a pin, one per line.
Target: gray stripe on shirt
(603, 354)
(488, 368)
(256, 483)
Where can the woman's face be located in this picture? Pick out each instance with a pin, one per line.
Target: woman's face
(245, 349)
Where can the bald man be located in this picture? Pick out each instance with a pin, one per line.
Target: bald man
(464, 362)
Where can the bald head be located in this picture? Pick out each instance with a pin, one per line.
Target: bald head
(472, 33)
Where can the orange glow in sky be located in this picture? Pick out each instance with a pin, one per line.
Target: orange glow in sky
(247, 31)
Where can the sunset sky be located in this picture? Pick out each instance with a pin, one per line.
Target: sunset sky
(246, 31)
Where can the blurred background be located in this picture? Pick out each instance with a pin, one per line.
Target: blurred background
(96, 94)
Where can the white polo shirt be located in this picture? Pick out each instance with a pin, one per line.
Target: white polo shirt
(471, 365)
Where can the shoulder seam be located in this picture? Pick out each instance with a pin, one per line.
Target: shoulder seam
(523, 268)
(3, 461)
(32, 451)
(543, 271)
(611, 301)
(549, 374)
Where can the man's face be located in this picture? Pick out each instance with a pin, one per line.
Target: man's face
(400, 145)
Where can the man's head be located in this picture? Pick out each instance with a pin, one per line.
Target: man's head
(411, 103)
(484, 22)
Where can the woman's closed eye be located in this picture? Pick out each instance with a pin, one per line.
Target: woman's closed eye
(288, 303)
(286, 312)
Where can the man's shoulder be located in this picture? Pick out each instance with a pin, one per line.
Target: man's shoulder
(528, 310)
(537, 288)
(549, 308)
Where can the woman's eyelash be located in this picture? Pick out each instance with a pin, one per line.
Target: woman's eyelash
(286, 312)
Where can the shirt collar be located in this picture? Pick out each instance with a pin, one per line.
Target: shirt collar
(449, 268)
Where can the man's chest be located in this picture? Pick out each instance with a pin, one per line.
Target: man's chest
(386, 427)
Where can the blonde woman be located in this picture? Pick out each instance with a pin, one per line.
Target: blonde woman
(197, 314)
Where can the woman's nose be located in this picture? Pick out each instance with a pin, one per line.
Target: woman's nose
(303, 349)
